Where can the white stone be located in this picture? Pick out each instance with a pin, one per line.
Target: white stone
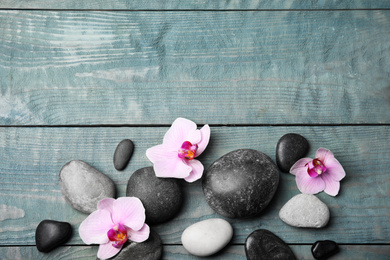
(305, 210)
(207, 237)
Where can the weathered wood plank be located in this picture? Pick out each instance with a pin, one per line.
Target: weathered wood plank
(194, 4)
(61, 68)
(232, 252)
(31, 159)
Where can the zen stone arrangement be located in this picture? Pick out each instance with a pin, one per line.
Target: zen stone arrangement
(240, 184)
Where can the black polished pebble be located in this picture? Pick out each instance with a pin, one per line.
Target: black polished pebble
(151, 249)
(241, 183)
(290, 148)
(324, 249)
(51, 234)
(161, 197)
(122, 154)
(262, 244)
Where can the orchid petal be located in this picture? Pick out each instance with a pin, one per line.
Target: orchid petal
(307, 184)
(205, 131)
(93, 230)
(332, 187)
(107, 251)
(161, 151)
(179, 129)
(197, 170)
(334, 169)
(324, 155)
(173, 168)
(130, 212)
(139, 235)
(193, 136)
(106, 204)
(300, 166)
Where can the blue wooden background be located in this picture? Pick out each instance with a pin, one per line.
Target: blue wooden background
(77, 77)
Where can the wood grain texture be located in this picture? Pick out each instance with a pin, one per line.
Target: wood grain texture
(231, 252)
(195, 4)
(31, 158)
(82, 68)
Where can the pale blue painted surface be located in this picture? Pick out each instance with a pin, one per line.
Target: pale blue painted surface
(196, 4)
(61, 68)
(143, 69)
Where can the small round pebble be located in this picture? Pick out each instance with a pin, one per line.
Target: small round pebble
(324, 249)
(207, 237)
(305, 210)
(241, 183)
(290, 148)
(151, 249)
(51, 234)
(83, 186)
(122, 154)
(262, 244)
(161, 197)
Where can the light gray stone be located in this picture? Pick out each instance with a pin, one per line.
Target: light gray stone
(207, 237)
(305, 210)
(84, 186)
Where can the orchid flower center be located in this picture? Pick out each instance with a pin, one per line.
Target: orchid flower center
(187, 151)
(118, 235)
(316, 167)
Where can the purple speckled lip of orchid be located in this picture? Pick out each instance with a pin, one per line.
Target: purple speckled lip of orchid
(323, 173)
(113, 223)
(118, 235)
(187, 151)
(176, 156)
(315, 168)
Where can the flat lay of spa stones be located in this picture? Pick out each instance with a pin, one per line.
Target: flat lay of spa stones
(238, 185)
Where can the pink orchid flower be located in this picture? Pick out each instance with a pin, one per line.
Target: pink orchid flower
(113, 223)
(323, 173)
(174, 158)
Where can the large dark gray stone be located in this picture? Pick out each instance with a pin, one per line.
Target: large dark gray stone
(290, 148)
(262, 244)
(161, 197)
(241, 183)
(51, 234)
(151, 249)
(83, 186)
(122, 154)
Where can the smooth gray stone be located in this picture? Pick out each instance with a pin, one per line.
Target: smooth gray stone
(262, 244)
(305, 210)
(122, 154)
(84, 186)
(241, 183)
(151, 249)
(161, 197)
(290, 148)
